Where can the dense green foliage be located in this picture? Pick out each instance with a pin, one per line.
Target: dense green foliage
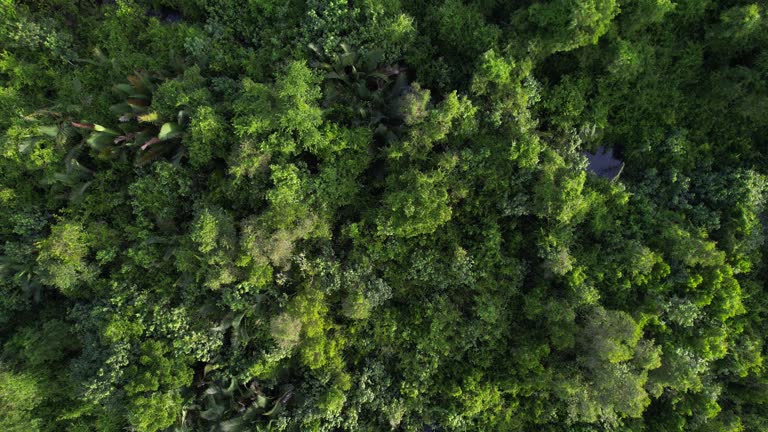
(327, 215)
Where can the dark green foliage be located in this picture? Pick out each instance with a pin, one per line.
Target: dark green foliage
(337, 215)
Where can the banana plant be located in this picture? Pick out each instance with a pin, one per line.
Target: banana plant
(360, 87)
(24, 274)
(138, 128)
(234, 407)
(75, 177)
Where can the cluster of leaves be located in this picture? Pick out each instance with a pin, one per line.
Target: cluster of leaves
(356, 215)
(139, 125)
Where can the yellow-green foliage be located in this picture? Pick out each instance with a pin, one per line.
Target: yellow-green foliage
(207, 136)
(64, 258)
(20, 395)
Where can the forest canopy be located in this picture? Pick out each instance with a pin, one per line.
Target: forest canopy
(365, 215)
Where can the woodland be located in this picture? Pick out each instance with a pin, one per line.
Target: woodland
(383, 215)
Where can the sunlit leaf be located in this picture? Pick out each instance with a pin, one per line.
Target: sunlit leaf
(169, 131)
